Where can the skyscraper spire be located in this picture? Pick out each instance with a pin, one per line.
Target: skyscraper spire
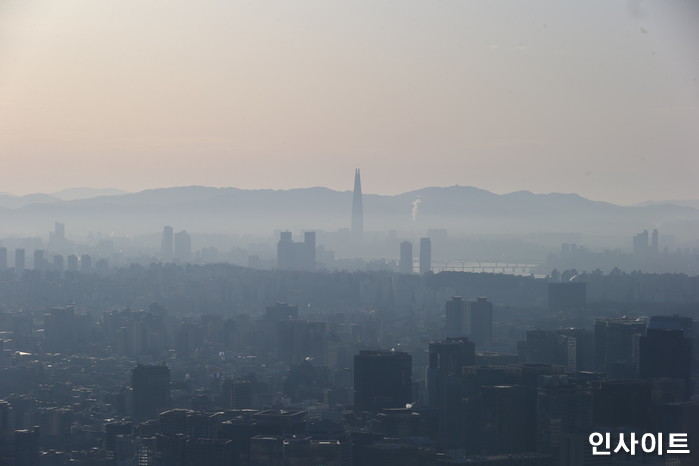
(357, 210)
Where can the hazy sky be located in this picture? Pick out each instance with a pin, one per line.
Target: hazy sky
(598, 97)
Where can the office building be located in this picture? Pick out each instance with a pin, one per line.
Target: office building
(382, 379)
(617, 346)
(150, 391)
(425, 255)
(3, 259)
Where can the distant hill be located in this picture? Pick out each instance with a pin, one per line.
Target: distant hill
(14, 202)
(693, 203)
(460, 209)
(86, 193)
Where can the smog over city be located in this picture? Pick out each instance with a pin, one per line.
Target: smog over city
(349, 233)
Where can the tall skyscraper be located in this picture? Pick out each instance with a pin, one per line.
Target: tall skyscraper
(357, 209)
(183, 246)
(425, 255)
(19, 261)
(406, 257)
(382, 379)
(166, 244)
(3, 259)
(151, 391)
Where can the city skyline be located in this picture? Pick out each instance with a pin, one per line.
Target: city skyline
(595, 98)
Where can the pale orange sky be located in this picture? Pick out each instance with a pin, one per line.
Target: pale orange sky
(597, 97)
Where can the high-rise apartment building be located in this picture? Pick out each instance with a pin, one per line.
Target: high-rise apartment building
(458, 322)
(182, 247)
(39, 260)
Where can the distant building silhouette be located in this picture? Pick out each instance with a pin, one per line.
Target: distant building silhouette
(382, 379)
(85, 263)
(151, 391)
(3, 259)
(562, 407)
(58, 263)
(357, 209)
(425, 255)
(182, 247)
(19, 261)
(27, 447)
(503, 418)
(167, 244)
(296, 256)
(481, 311)
(458, 322)
(640, 243)
(617, 346)
(72, 263)
(406, 257)
(445, 386)
(654, 243)
(470, 319)
(39, 260)
(666, 353)
(281, 311)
